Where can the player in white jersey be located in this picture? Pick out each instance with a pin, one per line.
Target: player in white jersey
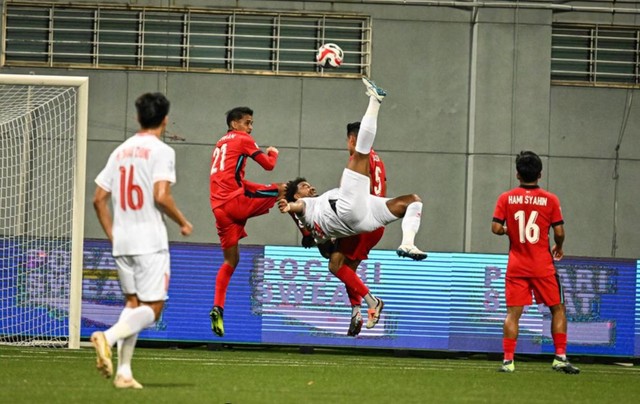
(137, 179)
(351, 209)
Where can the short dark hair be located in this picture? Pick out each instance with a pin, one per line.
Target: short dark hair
(292, 189)
(353, 128)
(237, 113)
(529, 166)
(152, 108)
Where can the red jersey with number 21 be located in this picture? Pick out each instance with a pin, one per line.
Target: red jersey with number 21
(228, 162)
(529, 213)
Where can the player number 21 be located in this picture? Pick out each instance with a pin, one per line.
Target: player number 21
(528, 229)
(130, 194)
(218, 159)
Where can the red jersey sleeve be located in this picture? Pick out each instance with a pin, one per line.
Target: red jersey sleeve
(266, 160)
(556, 211)
(499, 213)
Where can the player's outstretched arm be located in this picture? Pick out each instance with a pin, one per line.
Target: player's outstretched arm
(164, 199)
(293, 207)
(101, 200)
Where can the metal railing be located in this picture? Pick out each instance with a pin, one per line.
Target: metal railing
(595, 55)
(185, 39)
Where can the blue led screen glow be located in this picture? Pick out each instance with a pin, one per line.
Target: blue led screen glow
(186, 314)
(286, 295)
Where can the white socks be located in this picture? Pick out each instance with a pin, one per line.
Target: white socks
(411, 223)
(130, 323)
(125, 349)
(368, 127)
(370, 299)
(125, 353)
(125, 312)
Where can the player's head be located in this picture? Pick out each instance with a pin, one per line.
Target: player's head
(528, 166)
(152, 109)
(299, 188)
(352, 136)
(240, 119)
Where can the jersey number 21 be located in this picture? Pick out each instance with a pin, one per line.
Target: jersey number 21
(219, 155)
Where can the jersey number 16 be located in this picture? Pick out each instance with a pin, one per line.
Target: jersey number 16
(528, 229)
(130, 194)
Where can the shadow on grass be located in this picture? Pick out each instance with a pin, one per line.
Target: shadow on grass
(167, 385)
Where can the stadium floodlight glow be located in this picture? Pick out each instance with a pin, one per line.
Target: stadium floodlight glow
(43, 132)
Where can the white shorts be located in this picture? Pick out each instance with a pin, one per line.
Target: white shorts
(360, 210)
(146, 276)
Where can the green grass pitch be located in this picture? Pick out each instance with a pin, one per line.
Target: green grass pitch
(284, 375)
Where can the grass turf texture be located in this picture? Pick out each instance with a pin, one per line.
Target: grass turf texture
(281, 375)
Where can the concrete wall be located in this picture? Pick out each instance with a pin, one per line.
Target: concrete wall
(464, 97)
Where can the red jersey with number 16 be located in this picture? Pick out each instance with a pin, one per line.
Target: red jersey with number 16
(228, 162)
(529, 212)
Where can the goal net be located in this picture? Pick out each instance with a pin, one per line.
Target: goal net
(42, 160)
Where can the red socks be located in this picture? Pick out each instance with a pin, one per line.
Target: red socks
(509, 348)
(352, 281)
(560, 343)
(354, 298)
(222, 282)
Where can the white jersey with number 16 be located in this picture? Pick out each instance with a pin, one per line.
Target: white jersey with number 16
(132, 169)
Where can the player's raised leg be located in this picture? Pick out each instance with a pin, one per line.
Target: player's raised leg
(103, 353)
(409, 208)
(130, 324)
(368, 127)
(373, 90)
(410, 227)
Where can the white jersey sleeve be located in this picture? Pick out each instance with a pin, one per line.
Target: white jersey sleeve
(105, 180)
(164, 165)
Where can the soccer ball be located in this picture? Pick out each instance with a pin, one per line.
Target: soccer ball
(329, 55)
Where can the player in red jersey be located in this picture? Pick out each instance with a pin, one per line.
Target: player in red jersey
(234, 200)
(347, 253)
(350, 209)
(350, 251)
(526, 214)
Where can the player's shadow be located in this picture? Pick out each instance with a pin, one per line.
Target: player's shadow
(167, 385)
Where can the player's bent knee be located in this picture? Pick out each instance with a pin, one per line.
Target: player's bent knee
(156, 307)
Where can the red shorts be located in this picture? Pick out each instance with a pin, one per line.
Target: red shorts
(233, 215)
(357, 247)
(547, 290)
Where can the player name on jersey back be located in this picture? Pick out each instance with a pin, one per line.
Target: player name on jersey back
(527, 200)
(228, 136)
(133, 152)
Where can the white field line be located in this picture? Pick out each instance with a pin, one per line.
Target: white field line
(362, 362)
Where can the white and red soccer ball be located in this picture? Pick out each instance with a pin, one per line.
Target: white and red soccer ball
(329, 55)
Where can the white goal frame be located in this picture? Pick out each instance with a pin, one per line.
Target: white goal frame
(77, 233)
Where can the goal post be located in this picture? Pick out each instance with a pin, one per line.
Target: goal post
(43, 134)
